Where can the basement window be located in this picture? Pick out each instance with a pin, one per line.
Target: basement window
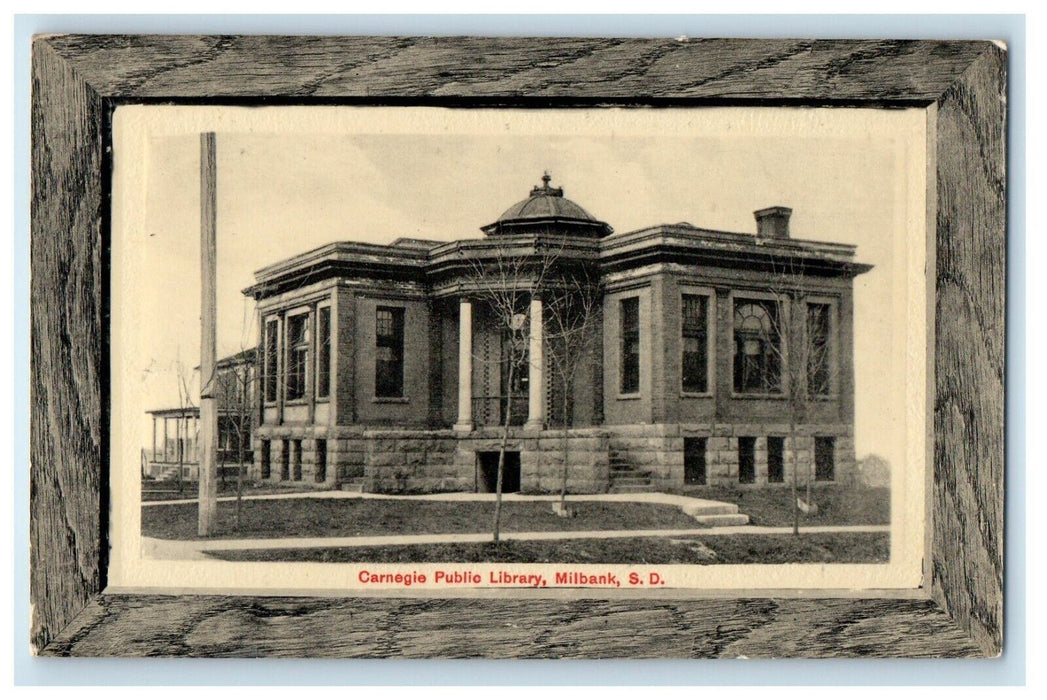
(746, 460)
(824, 459)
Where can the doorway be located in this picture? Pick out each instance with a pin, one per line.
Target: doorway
(487, 476)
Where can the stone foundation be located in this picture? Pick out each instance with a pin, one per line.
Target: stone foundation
(659, 451)
(307, 471)
(413, 461)
(427, 461)
(541, 469)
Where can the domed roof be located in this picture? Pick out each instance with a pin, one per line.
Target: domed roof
(547, 205)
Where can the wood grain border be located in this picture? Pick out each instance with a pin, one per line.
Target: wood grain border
(77, 80)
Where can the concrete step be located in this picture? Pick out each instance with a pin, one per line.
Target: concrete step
(722, 520)
(353, 486)
(714, 509)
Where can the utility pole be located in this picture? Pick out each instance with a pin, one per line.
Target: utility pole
(208, 498)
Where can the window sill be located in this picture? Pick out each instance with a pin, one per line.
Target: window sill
(629, 397)
(390, 399)
(696, 394)
(760, 397)
(323, 399)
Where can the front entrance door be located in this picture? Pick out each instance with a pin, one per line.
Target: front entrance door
(487, 477)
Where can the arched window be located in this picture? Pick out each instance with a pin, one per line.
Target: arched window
(757, 348)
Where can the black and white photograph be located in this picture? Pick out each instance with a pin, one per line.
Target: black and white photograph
(507, 347)
(581, 349)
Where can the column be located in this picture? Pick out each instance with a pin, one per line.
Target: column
(465, 366)
(535, 382)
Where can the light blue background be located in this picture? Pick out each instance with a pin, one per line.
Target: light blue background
(1009, 669)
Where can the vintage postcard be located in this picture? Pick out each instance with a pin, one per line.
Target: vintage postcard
(579, 351)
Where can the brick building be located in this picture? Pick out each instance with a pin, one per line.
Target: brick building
(387, 366)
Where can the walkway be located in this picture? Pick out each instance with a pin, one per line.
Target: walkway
(196, 549)
(658, 498)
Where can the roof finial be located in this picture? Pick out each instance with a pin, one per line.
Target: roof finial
(545, 189)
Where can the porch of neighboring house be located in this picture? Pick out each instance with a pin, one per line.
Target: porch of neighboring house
(174, 448)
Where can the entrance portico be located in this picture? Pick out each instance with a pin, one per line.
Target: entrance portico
(535, 377)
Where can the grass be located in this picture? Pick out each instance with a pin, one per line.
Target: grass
(772, 506)
(168, 490)
(351, 517)
(843, 547)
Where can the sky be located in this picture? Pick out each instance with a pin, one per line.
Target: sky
(293, 179)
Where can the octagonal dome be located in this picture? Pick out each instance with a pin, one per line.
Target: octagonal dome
(546, 208)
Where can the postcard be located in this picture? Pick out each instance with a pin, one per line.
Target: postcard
(567, 352)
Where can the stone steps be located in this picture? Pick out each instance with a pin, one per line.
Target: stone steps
(625, 478)
(355, 485)
(630, 481)
(168, 474)
(633, 488)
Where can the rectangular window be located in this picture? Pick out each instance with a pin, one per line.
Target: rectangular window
(297, 355)
(776, 460)
(389, 352)
(819, 349)
(824, 459)
(321, 461)
(695, 340)
(272, 336)
(630, 331)
(746, 460)
(285, 461)
(694, 471)
(267, 466)
(757, 347)
(323, 351)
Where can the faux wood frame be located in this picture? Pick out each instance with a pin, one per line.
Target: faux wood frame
(77, 80)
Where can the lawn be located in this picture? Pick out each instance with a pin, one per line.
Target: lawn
(351, 517)
(837, 505)
(168, 490)
(840, 548)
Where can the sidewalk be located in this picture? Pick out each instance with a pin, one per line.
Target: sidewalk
(196, 549)
(654, 497)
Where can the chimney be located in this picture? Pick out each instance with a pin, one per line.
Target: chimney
(772, 222)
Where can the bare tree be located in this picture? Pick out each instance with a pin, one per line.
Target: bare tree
(236, 380)
(800, 343)
(506, 282)
(574, 325)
